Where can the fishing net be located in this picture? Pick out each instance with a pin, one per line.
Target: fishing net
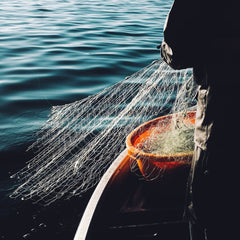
(179, 138)
(80, 140)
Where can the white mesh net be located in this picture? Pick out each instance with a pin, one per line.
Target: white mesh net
(179, 139)
(80, 140)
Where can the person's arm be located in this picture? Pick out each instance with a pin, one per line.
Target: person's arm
(183, 33)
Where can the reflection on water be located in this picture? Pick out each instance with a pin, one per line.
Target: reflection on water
(55, 52)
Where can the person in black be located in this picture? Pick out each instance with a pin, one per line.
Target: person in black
(205, 35)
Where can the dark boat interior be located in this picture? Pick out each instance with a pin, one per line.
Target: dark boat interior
(130, 207)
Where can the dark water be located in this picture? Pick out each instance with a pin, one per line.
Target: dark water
(55, 52)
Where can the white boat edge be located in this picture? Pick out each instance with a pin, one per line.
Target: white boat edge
(82, 229)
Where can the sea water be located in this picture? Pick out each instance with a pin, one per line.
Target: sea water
(55, 52)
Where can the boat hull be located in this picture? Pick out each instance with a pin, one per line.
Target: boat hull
(126, 206)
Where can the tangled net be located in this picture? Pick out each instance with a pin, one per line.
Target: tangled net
(178, 139)
(80, 140)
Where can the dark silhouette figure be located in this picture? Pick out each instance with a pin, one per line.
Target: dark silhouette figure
(205, 35)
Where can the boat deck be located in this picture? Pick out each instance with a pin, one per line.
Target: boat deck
(126, 206)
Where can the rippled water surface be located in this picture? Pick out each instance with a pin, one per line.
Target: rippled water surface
(55, 52)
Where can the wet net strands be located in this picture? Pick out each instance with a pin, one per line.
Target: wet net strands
(80, 140)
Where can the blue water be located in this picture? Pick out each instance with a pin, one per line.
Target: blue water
(55, 52)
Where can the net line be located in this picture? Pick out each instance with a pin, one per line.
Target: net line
(80, 140)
